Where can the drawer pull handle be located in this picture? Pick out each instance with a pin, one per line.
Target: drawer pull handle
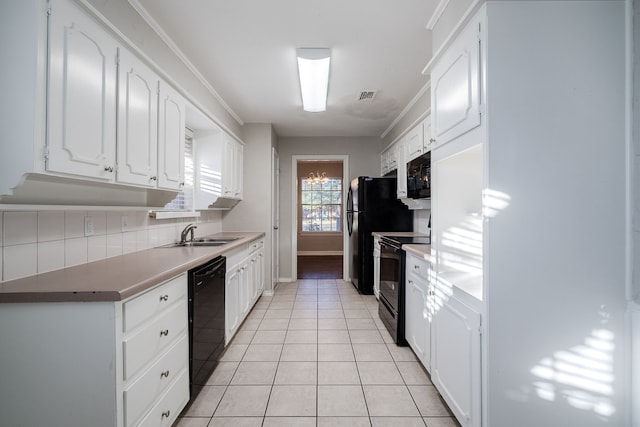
(164, 333)
(164, 374)
(164, 298)
(166, 414)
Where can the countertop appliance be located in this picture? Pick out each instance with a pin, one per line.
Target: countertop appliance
(392, 283)
(419, 177)
(372, 206)
(206, 321)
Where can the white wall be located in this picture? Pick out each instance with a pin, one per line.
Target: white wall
(33, 242)
(364, 159)
(253, 213)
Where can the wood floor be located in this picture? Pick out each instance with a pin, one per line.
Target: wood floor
(320, 267)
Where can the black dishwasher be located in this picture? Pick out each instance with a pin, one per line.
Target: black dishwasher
(206, 321)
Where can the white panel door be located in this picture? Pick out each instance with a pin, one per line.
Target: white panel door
(455, 82)
(82, 95)
(171, 131)
(137, 122)
(456, 359)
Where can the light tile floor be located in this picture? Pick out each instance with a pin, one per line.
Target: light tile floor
(316, 354)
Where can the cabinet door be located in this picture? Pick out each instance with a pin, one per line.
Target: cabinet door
(401, 182)
(456, 359)
(228, 167)
(417, 321)
(261, 273)
(82, 95)
(414, 143)
(244, 287)
(455, 82)
(171, 134)
(232, 308)
(239, 170)
(137, 122)
(427, 135)
(376, 267)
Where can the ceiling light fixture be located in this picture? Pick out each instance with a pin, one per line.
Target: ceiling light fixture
(313, 69)
(317, 178)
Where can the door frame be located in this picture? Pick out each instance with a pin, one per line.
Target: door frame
(275, 218)
(294, 208)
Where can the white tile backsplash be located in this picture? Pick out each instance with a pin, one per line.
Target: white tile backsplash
(114, 245)
(113, 222)
(33, 242)
(20, 228)
(99, 222)
(50, 226)
(129, 242)
(74, 224)
(20, 261)
(96, 247)
(50, 255)
(75, 251)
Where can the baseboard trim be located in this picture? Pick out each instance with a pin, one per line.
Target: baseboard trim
(285, 280)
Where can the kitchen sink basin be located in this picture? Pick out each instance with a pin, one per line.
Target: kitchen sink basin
(205, 241)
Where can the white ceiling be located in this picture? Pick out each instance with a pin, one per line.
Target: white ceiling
(246, 50)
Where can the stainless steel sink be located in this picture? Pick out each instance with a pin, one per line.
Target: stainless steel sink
(205, 241)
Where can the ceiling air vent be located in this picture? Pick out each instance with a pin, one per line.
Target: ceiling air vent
(366, 96)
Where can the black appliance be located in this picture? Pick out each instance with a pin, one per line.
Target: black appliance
(372, 206)
(391, 306)
(419, 177)
(206, 321)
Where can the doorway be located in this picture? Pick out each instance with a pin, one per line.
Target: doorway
(318, 244)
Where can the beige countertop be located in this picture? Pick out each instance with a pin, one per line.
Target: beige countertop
(422, 251)
(379, 234)
(117, 278)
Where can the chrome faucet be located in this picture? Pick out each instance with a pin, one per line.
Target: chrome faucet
(187, 229)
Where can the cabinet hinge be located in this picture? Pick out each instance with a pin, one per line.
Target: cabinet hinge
(481, 109)
(48, 7)
(45, 153)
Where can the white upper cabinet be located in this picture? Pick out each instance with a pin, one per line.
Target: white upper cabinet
(414, 145)
(137, 122)
(455, 83)
(82, 95)
(401, 183)
(232, 169)
(171, 138)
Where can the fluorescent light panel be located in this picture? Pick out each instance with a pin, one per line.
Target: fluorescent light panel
(313, 69)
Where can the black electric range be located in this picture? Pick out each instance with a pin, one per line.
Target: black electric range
(392, 286)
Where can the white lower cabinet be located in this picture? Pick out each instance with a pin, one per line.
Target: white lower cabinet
(111, 363)
(155, 356)
(418, 308)
(243, 285)
(456, 358)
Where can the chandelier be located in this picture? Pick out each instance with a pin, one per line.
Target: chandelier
(318, 178)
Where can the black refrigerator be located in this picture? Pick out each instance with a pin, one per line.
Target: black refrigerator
(372, 206)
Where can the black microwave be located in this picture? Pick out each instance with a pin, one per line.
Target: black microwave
(419, 177)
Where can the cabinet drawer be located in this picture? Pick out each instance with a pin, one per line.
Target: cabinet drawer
(141, 308)
(146, 389)
(142, 346)
(166, 411)
(254, 246)
(418, 267)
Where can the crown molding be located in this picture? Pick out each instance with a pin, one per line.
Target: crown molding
(404, 112)
(437, 14)
(176, 50)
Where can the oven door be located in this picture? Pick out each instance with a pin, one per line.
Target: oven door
(391, 308)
